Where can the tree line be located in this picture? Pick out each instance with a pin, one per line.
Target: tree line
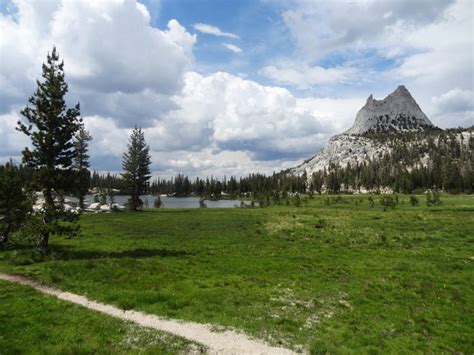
(413, 163)
(254, 184)
(57, 164)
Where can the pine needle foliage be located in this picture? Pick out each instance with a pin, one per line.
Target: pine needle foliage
(51, 126)
(81, 164)
(136, 165)
(15, 202)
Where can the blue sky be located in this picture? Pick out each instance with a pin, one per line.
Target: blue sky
(258, 25)
(232, 87)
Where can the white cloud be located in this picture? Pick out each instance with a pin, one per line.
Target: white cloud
(304, 76)
(321, 28)
(12, 142)
(230, 113)
(221, 125)
(109, 140)
(109, 47)
(455, 106)
(443, 69)
(232, 47)
(126, 72)
(446, 51)
(455, 100)
(208, 162)
(426, 45)
(213, 30)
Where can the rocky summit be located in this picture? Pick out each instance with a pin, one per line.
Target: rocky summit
(398, 112)
(381, 127)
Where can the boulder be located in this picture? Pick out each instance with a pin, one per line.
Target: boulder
(94, 206)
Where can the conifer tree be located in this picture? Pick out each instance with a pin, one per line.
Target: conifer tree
(14, 202)
(136, 164)
(51, 127)
(81, 164)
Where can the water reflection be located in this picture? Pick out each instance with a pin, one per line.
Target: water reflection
(174, 202)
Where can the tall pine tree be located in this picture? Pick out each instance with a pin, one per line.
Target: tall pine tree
(136, 165)
(52, 127)
(81, 164)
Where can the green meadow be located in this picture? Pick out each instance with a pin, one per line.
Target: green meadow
(334, 275)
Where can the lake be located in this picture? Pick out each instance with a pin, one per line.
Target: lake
(174, 202)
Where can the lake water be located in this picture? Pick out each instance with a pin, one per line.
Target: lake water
(174, 202)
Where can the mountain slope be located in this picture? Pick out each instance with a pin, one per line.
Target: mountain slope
(390, 138)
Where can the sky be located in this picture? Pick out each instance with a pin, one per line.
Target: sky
(231, 87)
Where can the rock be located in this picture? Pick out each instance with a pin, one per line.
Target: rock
(398, 112)
(37, 207)
(340, 150)
(105, 208)
(94, 206)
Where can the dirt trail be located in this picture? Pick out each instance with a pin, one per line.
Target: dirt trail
(227, 342)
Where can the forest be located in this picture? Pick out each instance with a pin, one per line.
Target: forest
(414, 162)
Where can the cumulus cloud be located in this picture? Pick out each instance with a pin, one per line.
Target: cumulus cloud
(443, 69)
(304, 76)
(109, 47)
(126, 72)
(446, 51)
(321, 27)
(230, 113)
(455, 100)
(224, 124)
(455, 106)
(426, 45)
(11, 141)
(213, 30)
(232, 47)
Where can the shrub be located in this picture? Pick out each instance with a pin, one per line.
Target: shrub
(414, 200)
(433, 198)
(15, 204)
(157, 203)
(371, 202)
(297, 201)
(388, 201)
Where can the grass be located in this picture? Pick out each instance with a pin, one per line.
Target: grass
(342, 277)
(33, 323)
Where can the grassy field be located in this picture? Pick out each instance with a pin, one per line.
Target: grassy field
(342, 277)
(34, 323)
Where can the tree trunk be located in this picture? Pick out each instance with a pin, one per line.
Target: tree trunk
(43, 240)
(6, 233)
(48, 199)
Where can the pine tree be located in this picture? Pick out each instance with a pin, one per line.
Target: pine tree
(14, 202)
(136, 164)
(81, 164)
(52, 127)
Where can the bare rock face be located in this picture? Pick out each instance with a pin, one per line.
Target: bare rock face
(341, 150)
(398, 112)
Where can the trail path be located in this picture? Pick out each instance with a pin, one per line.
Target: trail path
(227, 342)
